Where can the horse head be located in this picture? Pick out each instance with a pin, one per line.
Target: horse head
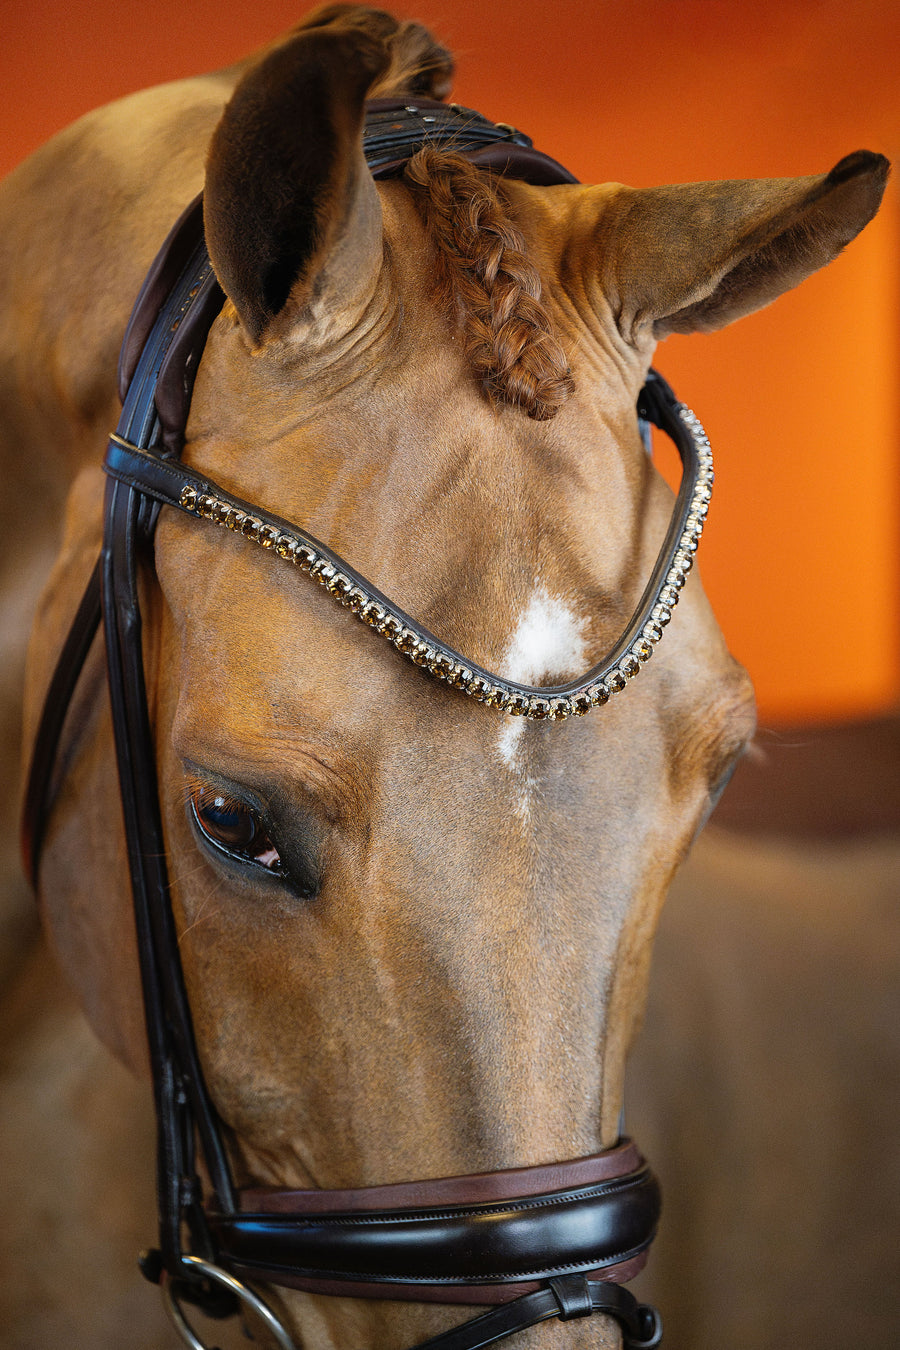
(415, 930)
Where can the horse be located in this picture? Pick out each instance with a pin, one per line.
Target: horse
(414, 928)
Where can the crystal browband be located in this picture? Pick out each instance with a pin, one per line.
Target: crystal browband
(177, 485)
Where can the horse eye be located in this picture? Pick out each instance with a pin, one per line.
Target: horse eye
(233, 827)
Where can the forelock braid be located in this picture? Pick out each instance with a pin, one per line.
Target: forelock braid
(491, 284)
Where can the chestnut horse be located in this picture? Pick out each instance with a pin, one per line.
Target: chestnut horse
(415, 931)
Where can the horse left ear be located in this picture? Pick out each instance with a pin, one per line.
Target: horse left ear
(693, 257)
(292, 217)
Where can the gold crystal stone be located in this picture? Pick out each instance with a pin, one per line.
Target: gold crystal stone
(373, 614)
(250, 528)
(304, 557)
(285, 546)
(616, 681)
(459, 676)
(222, 512)
(560, 709)
(236, 520)
(205, 505)
(188, 498)
(598, 694)
(268, 535)
(539, 708)
(580, 704)
(642, 650)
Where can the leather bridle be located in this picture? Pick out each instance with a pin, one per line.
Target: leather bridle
(539, 1242)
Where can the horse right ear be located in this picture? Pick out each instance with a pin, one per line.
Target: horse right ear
(694, 257)
(292, 216)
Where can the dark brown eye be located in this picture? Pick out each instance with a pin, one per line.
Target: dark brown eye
(233, 827)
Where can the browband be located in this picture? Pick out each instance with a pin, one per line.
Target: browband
(174, 484)
(528, 1238)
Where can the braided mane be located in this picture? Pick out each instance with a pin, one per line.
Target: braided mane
(491, 288)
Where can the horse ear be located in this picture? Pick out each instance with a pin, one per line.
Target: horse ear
(691, 258)
(292, 216)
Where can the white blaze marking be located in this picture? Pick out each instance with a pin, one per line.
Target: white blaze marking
(547, 643)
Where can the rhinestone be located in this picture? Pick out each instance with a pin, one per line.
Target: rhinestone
(479, 687)
(669, 596)
(339, 585)
(517, 705)
(652, 631)
(675, 578)
(580, 704)
(268, 535)
(236, 520)
(616, 680)
(683, 561)
(285, 546)
(598, 694)
(560, 709)
(498, 698)
(423, 655)
(356, 600)
(629, 666)
(322, 571)
(250, 528)
(373, 614)
(642, 650)
(188, 498)
(688, 542)
(305, 557)
(662, 614)
(538, 708)
(459, 676)
(406, 641)
(390, 627)
(222, 512)
(440, 665)
(206, 505)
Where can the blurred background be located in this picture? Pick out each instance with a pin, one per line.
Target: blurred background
(765, 1086)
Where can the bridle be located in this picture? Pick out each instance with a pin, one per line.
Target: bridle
(538, 1242)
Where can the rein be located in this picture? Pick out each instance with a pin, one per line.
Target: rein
(540, 1242)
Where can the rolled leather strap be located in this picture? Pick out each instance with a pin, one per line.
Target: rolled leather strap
(479, 1251)
(568, 1297)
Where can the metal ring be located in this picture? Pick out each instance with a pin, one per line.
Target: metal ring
(246, 1296)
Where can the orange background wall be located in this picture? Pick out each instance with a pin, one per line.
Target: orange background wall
(801, 556)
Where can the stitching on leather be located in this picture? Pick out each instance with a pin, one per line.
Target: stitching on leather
(545, 1273)
(635, 1181)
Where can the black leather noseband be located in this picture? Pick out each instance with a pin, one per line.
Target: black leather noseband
(539, 1242)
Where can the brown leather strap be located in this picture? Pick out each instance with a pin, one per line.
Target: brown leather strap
(478, 1188)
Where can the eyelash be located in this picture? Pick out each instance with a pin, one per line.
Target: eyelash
(246, 821)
